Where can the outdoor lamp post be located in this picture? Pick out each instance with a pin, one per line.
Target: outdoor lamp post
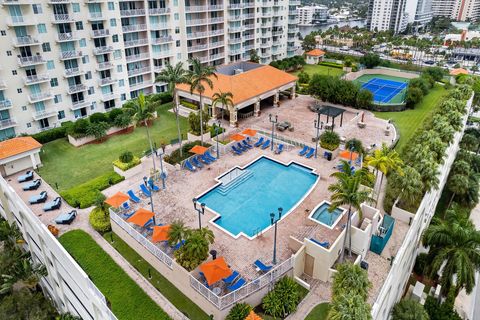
(163, 175)
(352, 147)
(317, 125)
(219, 123)
(270, 117)
(201, 211)
(145, 181)
(273, 222)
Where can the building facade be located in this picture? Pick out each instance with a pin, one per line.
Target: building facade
(459, 10)
(63, 60)
(311, 15)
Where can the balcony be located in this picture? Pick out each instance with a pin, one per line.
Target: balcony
(136, 42)
(235, 41)
(249, 37)
(266, 14)
(276, 43)
(134, 27)
(235, 6)
(217, 56)
(3, 84)
(236, 29)
(162, 54)
(100, 33)
(265, 45)
(136, 57)
(199, 47)
(277, 33)
(62, 18)
(5, 104)
(195, 8)
(8, 123)
(95, 16)
(76, 88)
(138, 71)
(159, 11)
(15, 2)
(249, 26)
(104, 65)
(162, 40)
(236, 51)
(108, 96)
(30, 61)
(294, 2)
(25, 41)
(102, 50)
(235, 18)
(217, 44)
(106, 81)
(202, 58)
(14, 21)
(36, 79)
(216, 32)
(194, 22)
(215, 7)
(79, 104)
(249, 16)
(67, 36)
(39, 115)
(132, 12)
(292, 12)
(277, 23)
(250, 4)
(160, 26)
(73, 54)
(72, 72)
(59, 1)
(41, 96)
(216, 20)
(194, 35)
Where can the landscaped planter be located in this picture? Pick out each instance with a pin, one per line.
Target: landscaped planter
(130, 172)
(77, 142)
(192, 137)
(321, 152)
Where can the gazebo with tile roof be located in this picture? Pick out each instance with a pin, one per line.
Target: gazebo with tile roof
(18, 154)
(249, 82)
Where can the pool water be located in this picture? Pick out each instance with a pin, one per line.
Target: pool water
(322, 215)
(245, 205)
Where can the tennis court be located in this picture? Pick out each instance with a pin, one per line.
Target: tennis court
(384, 89)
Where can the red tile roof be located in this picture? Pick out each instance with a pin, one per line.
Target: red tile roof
(458, 71)
(315, 52)
(14, 146)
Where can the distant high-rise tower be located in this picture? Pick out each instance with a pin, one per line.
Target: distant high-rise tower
(460, 10)
(395, 15)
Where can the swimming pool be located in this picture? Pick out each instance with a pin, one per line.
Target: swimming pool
(321, 215)
(244, 197)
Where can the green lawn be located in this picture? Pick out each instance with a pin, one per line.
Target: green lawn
(69, 166)
(175, 296)
(128, 300)
(320, 312)
(409, 120)
(312, 69)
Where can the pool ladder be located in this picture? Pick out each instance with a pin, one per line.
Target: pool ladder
(258, 232)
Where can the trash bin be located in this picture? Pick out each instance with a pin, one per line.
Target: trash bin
(328, 155)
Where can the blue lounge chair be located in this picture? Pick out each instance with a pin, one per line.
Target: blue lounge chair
(148, 223)
(236, 151)
(66, 218)
(303, 151)
(239, 146)
(126, 206)
(145, 191)
(197, 163)
(32, 185)
(26, 177)
(154, 188)
(53, 205)
(205, 159)
(128, 215)
(189, 166)
(231, 278)
(209, 156)
(279, 149)
(249, 140)
(266, 144)
(310, 153)
(237, 285)
(246, 145)
(324, 244)
(132, 196)
(259, 142)
(178, 245)
(261, 266)
(39, 198)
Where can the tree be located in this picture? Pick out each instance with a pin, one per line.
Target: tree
(408, 309)
(97, 129)
(22, 274)
(254, 56)
(350, 277)
(26, 305)
(458, 185)
(436, 73)
(409, 186)
(225, 99)
(195, 249)
(174, 75)
(414, 95)
(199, 76)
(474, 69)
(303, 77)
(370, 60)
(309, 43)
(364, 100)
(349, 306)
(177, 232)
(239, 311)
(469, 142)
(346, 191)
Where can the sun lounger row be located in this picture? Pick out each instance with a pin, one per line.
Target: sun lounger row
(199, 161)
(307, 152)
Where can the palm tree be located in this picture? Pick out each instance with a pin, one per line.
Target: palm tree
(454, 248)
(349, 306)
(346, 191)
(143, 112)
(409, 185)
(408, 309)
(177, 232)
(225, 99)
(198, 76)
(458, 184)
(23, 274)
(174, 75)
(350, 277)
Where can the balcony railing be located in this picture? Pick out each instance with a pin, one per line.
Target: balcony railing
(41, 96)
(249, 47)
(265, 44)
(216, 20)
(197, 47)
(249, 36)
(132, 12)
(31, 60)
(217, 56)
(201, 58)
(71, 72)
(162, 54)
(134, 27)
(105, 81)
(25, 41)
(104, 65)
(235, 40)
(79, 104)
(3, 84)
(236, 29)
(140, 56)
(5, 104)
(64, 55)
(100, 33)
(217, 44)
(62, 18)
(36, 79)
(193, 35)
(136, 42)
(162, 40)
(236, 51)
(95, 16)
(249, 16)
(159, 11)
(134, 72)
(38, 115)
(250, 26)
(194, 22)
(67, 36)
(195, 8)
(215, 7)
(76, 88)
(277, 33)
(8, 123)
(250, 4)
(108, 96)
(20, 21)
(235, 6)
(216, 32)
(102, 50)
(159, 26)
(59, 1)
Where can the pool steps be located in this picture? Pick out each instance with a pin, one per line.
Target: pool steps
(226, 187)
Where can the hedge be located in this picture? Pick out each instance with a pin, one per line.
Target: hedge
(125, 166)
(331, 64)
(175, 158)
(50, 135)
(100, 220)
(85, 194)
(189, 105)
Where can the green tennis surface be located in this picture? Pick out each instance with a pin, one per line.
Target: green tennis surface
(398, 98)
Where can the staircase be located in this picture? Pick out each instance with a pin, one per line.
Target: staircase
(227, 186)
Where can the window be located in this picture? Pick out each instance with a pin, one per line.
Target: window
(121, 83)
(85, 59)
(14, 72)
(177, 43)
(91, 90)
(177, 30)
(93, 105)
(111, 6)
(176, 16)
(24, 108)
(113, 23)
(41, 28)
(79, 25)
(123, 97)
(61, 115)
(29, 125)
(83, 43)
(179, 56)
(117, 54)
(119, 68)
(46, 47)
(88, 75)
(37, 8)
(50, 65)
(9, 53)
(57, 98)
(75, 7)
(175, 3)
(19, 90)
(115, 38)
(4, 33)
(54, 82)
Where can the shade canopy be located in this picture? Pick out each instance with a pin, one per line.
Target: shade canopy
(141, 217)
(198, 149)
(160, 233)
(346, 154)
(249, 132)
(215, 270)
(117, 199)
(237, 137)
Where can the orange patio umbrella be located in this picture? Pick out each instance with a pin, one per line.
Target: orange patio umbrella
(348, 155)
(141, 217)
(117, 199)
(237, 137)
(160, 233)
(249, 132)
(215, 270)
(198, 149)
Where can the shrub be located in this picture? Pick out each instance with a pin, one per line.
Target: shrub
(85, 194)
(435, 72)
(364, 100)
(189, 105)
(124, 166)
(283, 299)
(162, 98)
(333, 89)
(420, 83)
(420, 264)
(79, 128)
(212, 130)
(194, 122)
(440, 311)
(331, 64)
(112, 115)
(100, 220)
(329, 140)
(126, 157)
(97, 129)
(303, 77)
(350, 277)
(175, 158)
(98, 117)
(239, 311)
(414, 96)
(123, 120)
(50, 135)
(370, 60)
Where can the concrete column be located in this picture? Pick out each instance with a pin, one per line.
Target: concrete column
(34, 161)
(214, 112)
(276, 99)
(233, 118)
(256, 111)
(292, 93)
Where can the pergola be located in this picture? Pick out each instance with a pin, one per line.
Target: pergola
(333, 112)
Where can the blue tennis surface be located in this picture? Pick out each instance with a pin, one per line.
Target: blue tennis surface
(384, 90)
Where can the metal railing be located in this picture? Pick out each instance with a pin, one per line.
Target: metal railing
(138, 71)
(101, 33)
(282, 138)
(44, 114)
(34, 97)
(132, 12)
(25, 41)
(136, 42)
(139, 56)
(7, 123)
(36, 78)
(5, 104)
(62, 17)
(156, 11)
(76, 88)
(25, 61)
(197, 47)
(217, 56)
(67, 36)
(217, 43)
(195, 8)
(95, 15)
(159, 26)
(162, 40)
(102, 50)
(70, 54)
(216, 20)
(79, 104)
(106, 81)
(193, 22)
(134, 27)
(105, 65)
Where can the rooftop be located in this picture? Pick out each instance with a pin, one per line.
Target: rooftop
(19, 145)
(315, 53)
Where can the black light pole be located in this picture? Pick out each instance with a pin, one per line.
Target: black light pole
(145, 181)
(317, 125)
(216, 134)
(201, 211)
(274, 222)
(273, 126)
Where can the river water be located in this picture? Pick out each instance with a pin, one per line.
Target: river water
(304, 30)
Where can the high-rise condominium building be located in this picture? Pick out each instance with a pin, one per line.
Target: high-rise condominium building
(310, 15)
(65, 59)
(460, 10)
